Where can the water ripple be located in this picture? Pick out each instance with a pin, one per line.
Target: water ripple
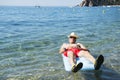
(30, 39)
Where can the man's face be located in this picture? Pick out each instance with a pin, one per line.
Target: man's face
(72, 39)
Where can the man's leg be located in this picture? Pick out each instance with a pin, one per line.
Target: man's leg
(87, 55)
(71, 58)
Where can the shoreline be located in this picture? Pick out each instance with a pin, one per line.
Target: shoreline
(112, 5)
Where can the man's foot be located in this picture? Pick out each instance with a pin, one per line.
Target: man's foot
(99, 61)
(77, 67)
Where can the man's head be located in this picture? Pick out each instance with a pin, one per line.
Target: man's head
(72, 37)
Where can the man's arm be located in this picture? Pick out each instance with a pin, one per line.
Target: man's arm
(63, 48)
(82, 47)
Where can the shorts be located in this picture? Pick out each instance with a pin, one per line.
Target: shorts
(74, 50)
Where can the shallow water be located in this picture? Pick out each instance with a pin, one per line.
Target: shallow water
(31, 37)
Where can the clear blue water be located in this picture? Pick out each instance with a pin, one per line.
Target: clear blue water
(30, 39)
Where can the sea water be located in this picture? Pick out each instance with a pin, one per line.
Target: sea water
(30, 39)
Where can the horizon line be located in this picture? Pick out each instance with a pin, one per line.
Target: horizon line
(41, 5)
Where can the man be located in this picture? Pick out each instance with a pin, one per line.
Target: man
(73, 50)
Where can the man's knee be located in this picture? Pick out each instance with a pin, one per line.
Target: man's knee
(83, 53)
